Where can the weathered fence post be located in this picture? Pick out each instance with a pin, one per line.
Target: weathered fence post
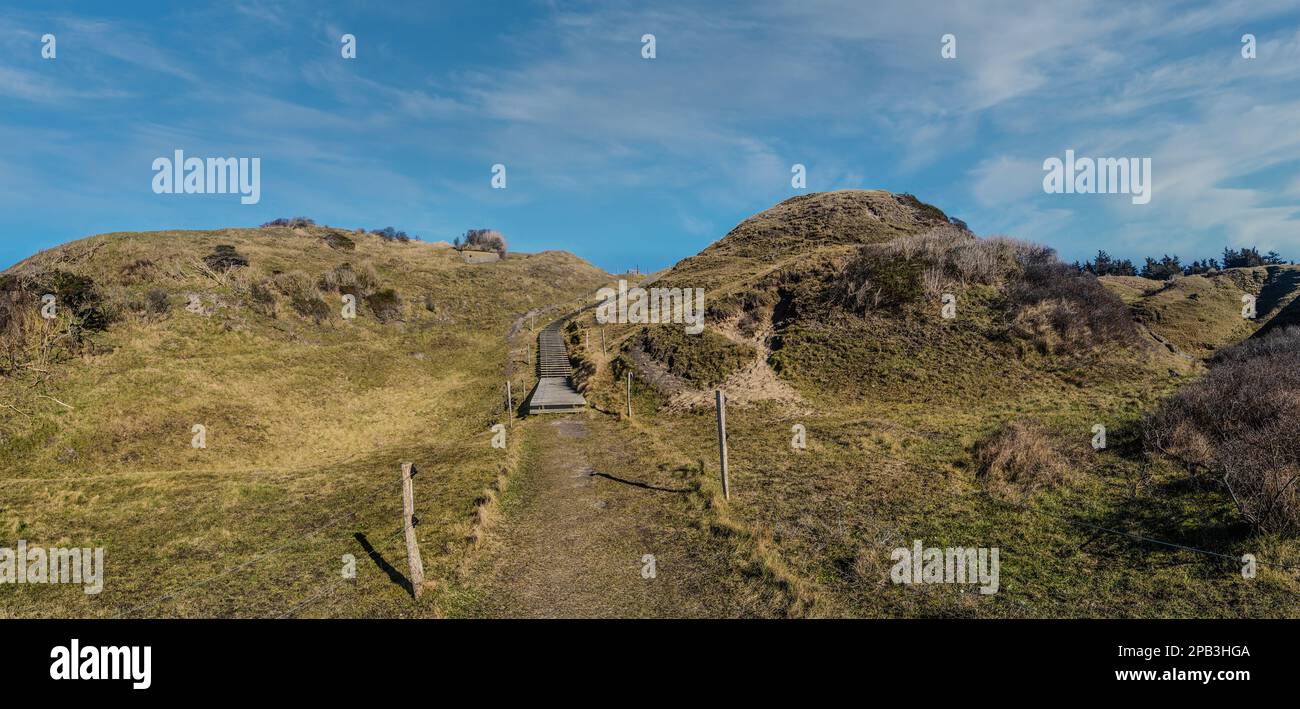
(721, 401)
(603, 350)
(408, 526)
(629, 394)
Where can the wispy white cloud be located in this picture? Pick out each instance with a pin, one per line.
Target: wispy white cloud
(708, 131)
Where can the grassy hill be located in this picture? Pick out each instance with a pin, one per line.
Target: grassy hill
(1201, 314)
(308, 415)
(971, 431)
(951, 388)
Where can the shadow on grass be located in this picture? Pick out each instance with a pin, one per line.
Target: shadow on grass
(394, 575)
(638, 483)
(1175, 515)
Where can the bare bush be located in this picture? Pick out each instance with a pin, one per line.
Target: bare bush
(303, 296)
(484, 240)
(292, 223)
(1047, 302)
(1238, 426)
(360, 282)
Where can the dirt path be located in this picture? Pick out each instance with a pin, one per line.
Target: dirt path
(578, 522)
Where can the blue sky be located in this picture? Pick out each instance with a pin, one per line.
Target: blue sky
(634, 162)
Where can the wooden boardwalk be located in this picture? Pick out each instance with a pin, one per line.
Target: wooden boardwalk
(554, 392)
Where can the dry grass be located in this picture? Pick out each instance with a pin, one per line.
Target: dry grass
(305, 419)
(1043, 301)
(896, 398)
(1019, 459)
(1201, 314)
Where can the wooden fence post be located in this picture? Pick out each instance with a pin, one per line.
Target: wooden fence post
(602, 342)
(721, 401)
(408, 525)
(629, 394)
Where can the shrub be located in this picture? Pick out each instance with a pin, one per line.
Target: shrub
(1237, 427)
(303, 296)
(385, 304)
(263, 299)
(1018, 459)
(388, 233)
(1052, 304)
(157, 302)
(901, 270)
(1063, 310)
(484, 240)
(139, 271)
(20, 325)
(293, 223)
(620, 365)
(359, 282)
(28, 339)
(79, 295)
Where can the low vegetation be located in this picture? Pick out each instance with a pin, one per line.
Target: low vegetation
(1019, 458)
(308, 415)
(705, 359)
(973, 430)
(1237, 427)
(1043, 300)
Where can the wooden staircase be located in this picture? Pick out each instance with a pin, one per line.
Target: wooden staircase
(554, 392)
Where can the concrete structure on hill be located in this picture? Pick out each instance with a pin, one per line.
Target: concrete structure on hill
(471, 256)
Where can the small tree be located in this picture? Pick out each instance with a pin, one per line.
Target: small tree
(1162, 270)
(1107, 266)
(1248, 257)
